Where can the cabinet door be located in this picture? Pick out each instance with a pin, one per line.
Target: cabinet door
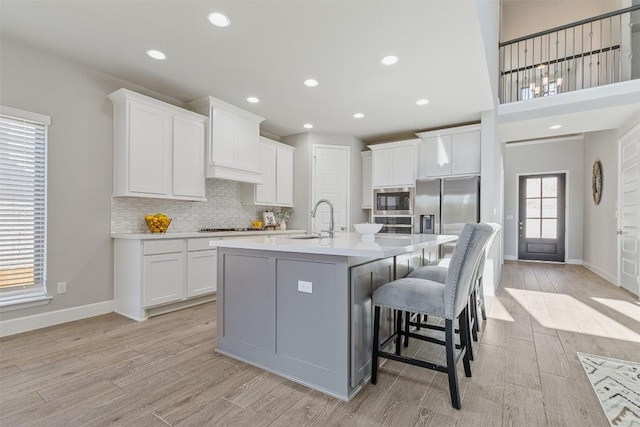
(163, 278)
(436, 157)
(202, 270)
(284, 177)
(404, 166)
(247, 139)
(149, 149)
(223, 137)
(188, 157)
(266, 192)
(382, 168)
(465, 149)
(367, 189)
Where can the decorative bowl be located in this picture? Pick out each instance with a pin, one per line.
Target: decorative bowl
(158, 223)
(367, 230)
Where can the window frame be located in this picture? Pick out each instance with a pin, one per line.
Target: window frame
(10, 301)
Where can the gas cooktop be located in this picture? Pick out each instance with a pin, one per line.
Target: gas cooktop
(217, 230)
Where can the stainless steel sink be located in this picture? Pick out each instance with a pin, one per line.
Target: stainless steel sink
(306, 237)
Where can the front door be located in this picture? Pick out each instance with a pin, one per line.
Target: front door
(628, 220)
(542, 211)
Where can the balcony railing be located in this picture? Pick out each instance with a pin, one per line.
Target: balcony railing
(588, 53)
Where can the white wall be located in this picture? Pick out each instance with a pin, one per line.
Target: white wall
(520, 18)
(600, 223)
(541, 157)
(302, 175)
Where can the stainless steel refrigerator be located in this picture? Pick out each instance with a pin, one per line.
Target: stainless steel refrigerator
(452, 202)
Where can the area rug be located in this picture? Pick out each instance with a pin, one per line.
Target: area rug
(617, 385)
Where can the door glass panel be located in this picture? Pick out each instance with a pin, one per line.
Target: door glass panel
(533, 187)
(549, 208)
(550, 187)
(533, 208)
(549, 229)
(533, 228)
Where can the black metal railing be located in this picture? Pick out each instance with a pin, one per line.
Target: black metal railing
(588, 53)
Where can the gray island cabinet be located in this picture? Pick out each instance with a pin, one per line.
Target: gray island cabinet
(301, 308)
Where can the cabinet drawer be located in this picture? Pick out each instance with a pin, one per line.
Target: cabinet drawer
(201, 244)
(154, 247)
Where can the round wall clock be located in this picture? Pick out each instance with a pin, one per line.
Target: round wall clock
(596, 181)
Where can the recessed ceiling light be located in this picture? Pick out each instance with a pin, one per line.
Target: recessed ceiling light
(358, 115)
(218, 19)
(311, 82)
(307, 126)
(554, 127)
(253, 100)
(422, 101)
(156, 54)
(389, 60)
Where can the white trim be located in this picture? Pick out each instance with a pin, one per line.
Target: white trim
(566, 208)
(43, 320)
(516, 144)
(606, 276)
(510, 258)
(25, 115)
(19, 304)
(574, 261)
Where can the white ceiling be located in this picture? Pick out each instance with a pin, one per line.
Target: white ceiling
(271, 47)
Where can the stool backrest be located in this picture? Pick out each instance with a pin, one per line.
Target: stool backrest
(463, 267)
(483, 258)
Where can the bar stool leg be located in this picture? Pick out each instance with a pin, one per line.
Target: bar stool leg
(407, 319)
(450, 345)
(374, 353)
(399, 326)
(465, 341)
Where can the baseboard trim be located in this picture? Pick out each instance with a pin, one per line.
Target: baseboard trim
(510, 258)
(52, 318)
(606, 276)
(574, 261)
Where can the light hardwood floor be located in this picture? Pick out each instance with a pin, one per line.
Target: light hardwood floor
(109, 370)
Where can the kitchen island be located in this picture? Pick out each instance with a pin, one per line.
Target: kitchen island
(301, 308)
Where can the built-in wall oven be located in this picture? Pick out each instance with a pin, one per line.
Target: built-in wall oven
(393, 201)
(395, 224)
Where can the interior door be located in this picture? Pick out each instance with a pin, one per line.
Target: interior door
(628, 218)
(541, 224)
(331, 182)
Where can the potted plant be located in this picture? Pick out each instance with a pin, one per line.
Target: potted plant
(283, 215)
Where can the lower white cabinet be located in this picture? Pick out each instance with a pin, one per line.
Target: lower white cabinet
(160, 275)
(163, 278)
(202, 272)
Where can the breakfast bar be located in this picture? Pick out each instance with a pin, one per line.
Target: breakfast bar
(301, 307)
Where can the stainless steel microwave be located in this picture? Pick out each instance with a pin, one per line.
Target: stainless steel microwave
(393, 201)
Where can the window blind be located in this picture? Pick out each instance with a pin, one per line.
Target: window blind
(22, 208)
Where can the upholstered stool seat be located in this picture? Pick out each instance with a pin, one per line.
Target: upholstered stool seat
(413, 295)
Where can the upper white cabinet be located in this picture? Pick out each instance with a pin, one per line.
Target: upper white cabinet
(447, 152)
(394, 164)
(232, 147)
(367, 188)
(276, 166)
(158, 148)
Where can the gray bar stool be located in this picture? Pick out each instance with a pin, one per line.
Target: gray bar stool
(437, 272)
(446, 300)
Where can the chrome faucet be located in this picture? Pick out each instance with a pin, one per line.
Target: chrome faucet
(331, 223)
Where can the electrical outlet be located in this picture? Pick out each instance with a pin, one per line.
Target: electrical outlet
(305, 286)
(62, 287)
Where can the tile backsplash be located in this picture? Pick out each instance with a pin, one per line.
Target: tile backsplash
(223, 209)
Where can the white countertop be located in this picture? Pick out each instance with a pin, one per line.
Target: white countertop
(207, 235)
(344, 244)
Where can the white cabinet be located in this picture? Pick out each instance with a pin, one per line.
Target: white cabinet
(163, 272)
(367, 188)
(394, 164)
(202, 267)
(449, 152)
(276, 165)
(232, 146)
(158, 148)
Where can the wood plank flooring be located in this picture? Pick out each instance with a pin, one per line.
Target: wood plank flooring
(109, 370)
